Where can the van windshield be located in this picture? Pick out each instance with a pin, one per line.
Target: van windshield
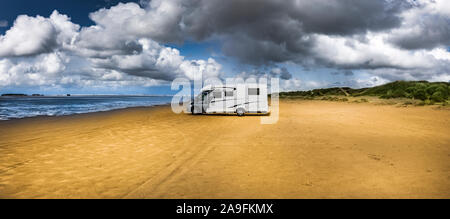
(201, 96)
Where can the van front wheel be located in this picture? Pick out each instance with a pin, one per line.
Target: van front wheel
(240, 111)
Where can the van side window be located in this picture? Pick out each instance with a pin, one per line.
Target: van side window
(253, 91)
(217, 94)
(228, 93)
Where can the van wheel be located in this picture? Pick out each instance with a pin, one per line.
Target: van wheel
(240, 111)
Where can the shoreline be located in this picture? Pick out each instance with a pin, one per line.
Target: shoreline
(374, 101)
(379, 102)
(82, 114)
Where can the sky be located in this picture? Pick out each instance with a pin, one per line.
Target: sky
(140, 47)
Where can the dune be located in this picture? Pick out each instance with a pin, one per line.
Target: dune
(318, 149)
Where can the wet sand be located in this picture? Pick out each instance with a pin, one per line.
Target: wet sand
(318, 149)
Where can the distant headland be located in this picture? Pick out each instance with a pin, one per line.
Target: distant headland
(14, 95)
(22, 95)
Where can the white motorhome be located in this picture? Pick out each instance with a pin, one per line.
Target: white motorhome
(239, 99)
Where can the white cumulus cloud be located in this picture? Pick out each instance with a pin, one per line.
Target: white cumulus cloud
(36, 35)
(121, 47)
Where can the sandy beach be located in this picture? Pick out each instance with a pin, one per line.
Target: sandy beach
(318, 149)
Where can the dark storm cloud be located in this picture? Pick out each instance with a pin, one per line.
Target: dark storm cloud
(284, 74)
(266, 52)
(264, 31)
(432, 31)
(277, 72)
(265, 18)
(95, 50)
(369, 64)
(145, 71)
(345, 17)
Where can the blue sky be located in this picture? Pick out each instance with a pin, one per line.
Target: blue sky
(77, 9)
(139, 47)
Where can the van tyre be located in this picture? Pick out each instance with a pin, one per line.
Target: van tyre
(240, 111)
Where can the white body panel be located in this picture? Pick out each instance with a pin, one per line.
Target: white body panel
(252, 98)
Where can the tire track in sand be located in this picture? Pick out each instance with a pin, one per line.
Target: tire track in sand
(158, 189)
(150, 186)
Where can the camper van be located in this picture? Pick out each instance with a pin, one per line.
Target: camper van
(239, 99)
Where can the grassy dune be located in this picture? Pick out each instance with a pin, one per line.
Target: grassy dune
(406, 92)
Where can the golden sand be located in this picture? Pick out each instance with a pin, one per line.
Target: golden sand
(316, 150)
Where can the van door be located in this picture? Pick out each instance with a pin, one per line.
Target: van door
(216, 104)
(229, 100)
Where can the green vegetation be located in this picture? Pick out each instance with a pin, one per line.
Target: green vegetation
(427, 92)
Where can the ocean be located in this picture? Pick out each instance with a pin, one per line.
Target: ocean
(21, 107)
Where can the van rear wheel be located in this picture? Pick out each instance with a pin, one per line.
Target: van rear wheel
(240, 111)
